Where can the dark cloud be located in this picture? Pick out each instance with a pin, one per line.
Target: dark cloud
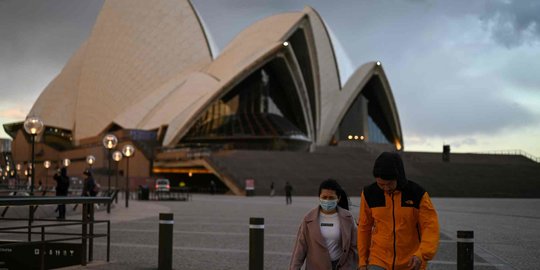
(239, 14)
(460, 113)
(437, 97)
(513, 23)
(464, 142)
(37, 39)
(428, 49)
(522, 72)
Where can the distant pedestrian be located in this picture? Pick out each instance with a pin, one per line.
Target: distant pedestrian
(288, 193)
(90, 188)
(326, 238)
(212, 187)
(272, 190)
(398, 226)
(62, 188)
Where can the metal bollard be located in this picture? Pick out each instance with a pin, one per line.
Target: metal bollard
(465, 250)
(256, 243)
(166, 222)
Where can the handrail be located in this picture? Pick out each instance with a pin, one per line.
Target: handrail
(515, 152)
(29, 200)
(87, 223)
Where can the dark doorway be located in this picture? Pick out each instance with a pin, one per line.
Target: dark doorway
(197, 182)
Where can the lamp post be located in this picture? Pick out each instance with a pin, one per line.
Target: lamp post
(17, 174)
(33, 126)
(90, 160)
(109, 141)
(116, 156)
(128, 150)
(47, 165)
(66, 162)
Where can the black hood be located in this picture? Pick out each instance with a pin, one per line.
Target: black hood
(389, 166)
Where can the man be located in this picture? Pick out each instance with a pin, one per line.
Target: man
(398, 226)
(90, 188)
(62, 188)
(272, 190)
(212, 187)
(288, 193)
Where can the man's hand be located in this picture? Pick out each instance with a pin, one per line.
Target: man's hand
(415, 263)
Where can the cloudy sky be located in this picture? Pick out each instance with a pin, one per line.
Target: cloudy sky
(464, 73)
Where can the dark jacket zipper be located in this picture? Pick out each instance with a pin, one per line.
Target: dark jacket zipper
(394, 231)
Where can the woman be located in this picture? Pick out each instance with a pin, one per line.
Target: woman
(327, 236)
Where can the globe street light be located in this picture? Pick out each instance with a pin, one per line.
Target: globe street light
(116, 156)
(66, 162)
(109, 141)
(128, 150)
(90, 160)
(33, 126)
(47, 165)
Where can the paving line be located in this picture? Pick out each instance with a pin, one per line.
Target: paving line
(214, 220)
(224, 250)
(203, 233)
(454, 263)
(488, 214)
(179, 223)
(243, 251)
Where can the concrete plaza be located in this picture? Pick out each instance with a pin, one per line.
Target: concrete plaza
(211, 232)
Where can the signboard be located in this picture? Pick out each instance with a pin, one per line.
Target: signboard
(250, 187)
(250, 184)
(28, 255)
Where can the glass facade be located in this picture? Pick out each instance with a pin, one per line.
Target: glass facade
(366, 116)
(261, 112)
(375, 133)
(352, 123)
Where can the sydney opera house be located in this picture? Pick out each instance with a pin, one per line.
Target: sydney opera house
(151, 74)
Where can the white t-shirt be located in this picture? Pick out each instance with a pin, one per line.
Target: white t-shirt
(331, 233)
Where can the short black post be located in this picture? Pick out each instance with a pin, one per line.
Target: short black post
(256, 243)
(84, 239)
(465, 250)
(166, 222)
(91, 233)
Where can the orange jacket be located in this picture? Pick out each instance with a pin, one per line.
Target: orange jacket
(394, 227)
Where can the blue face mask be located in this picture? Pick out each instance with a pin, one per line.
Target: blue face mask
(328, 205)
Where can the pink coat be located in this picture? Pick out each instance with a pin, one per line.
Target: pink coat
(311, 248)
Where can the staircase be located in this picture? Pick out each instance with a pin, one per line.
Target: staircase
(466, 175)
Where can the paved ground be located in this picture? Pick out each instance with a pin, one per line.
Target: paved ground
(211, 232)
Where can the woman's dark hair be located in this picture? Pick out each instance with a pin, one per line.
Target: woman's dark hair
(332, 184)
